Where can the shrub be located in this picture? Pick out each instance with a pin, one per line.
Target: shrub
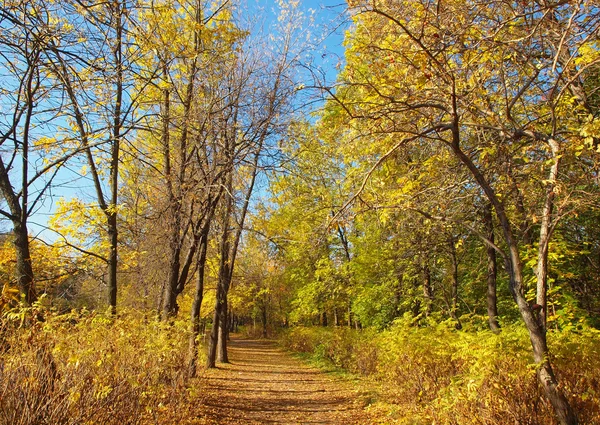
(85, 367)
(436, 374)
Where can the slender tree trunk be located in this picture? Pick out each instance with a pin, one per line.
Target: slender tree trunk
(427, 288)
(214, 332)
(229, 250)
(225, 279)
(537, 334)
(492, 271)
(20, 209)
(545, 235)
(220, 315)
(112, 262)
(197, 304)
(223, 327)
(176, 277)
(398, 293)
(349, 314)
(169, 297)
(24, 267)
(117, 124)
(232, 323)
(264, 318)
(170, 307)
(454, 283)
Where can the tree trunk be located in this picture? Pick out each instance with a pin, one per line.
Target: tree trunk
(112, 262)
(427, 288)
(214, 332)
(349, 314)
(229, 249)
(24, 267)
(232, 324)
(492, 271)
(537, 335)
(220, 315)
(454, 283)
(177, 278)
(197, 304)
(117, 124)
(264, 319)
(169, 297)
(545, 234)
(20, 209)
(223, 328)
(398, 293)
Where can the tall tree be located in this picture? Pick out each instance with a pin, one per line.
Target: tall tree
(258, 92)
(472, 77)
(30, 159)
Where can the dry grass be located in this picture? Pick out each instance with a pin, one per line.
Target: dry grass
(87, 368)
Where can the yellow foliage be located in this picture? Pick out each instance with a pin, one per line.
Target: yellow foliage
(102, 370)
(437, 375)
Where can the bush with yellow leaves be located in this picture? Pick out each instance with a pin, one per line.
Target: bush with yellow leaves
(437, 375)
(88, 368)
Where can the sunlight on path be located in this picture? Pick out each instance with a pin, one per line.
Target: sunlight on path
(265, 385)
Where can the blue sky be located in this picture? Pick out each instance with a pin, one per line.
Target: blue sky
(327, 31)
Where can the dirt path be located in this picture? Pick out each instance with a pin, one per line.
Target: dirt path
(265, 385)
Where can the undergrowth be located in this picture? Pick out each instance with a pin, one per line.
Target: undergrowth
(88, 368)
(437, 375)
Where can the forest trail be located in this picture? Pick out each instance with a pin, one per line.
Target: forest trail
(263, 384)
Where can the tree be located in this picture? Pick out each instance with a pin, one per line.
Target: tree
(257, 94)
(30, 159)
(102, 54)
(480, 81)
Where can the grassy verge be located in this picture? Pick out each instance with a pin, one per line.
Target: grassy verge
(436, 374)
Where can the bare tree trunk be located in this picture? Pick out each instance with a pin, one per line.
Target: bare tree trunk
(220, 315)
(214, 332)
(197, 304)
(24, 267)
(427, 288)
(223, 327)
(229, 250)
(19, 204)
(176, 277)
(349, 314)
(492, 271)
(454, 284)
(264, 318)
(398, 293)
(537, 334)
(545, 235)
(323, 319)
(111, 213)
(112, 262)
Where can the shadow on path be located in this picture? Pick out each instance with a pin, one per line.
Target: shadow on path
(265, 385)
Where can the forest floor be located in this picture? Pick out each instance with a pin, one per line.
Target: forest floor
(263, 384)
